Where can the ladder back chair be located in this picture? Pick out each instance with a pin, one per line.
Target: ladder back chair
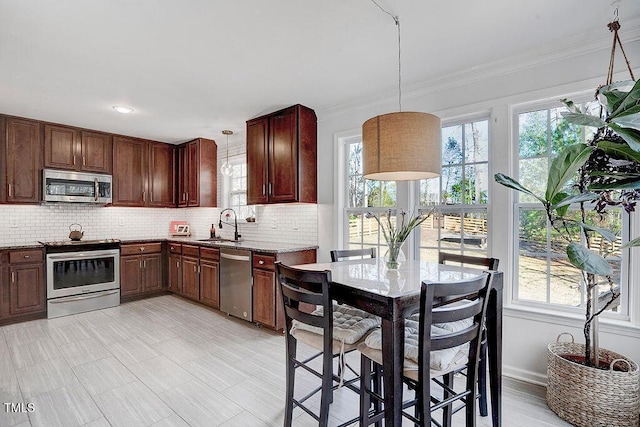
(344, 254)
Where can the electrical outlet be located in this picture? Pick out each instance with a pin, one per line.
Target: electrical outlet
(295, 224)
(274, 223)
(13, 222)
(121, 221)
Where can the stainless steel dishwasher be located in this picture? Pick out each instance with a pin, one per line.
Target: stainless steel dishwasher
(236, 283)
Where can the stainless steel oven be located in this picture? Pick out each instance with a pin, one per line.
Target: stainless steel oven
(82, 278)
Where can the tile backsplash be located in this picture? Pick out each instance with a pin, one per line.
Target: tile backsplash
(28, 224)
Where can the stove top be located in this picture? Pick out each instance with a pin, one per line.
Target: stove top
(80, 242)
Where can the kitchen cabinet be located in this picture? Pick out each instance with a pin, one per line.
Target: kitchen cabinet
(197, 173)
(75, 149)
(21, 160)
(267, 301)
(23, 290)
(190, 271)
(282, 157)
(210, 277)
(144, 173)
(174, 277)
(140, 269)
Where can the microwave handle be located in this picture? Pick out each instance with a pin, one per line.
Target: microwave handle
(97, 188)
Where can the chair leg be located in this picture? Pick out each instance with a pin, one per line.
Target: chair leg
(365, 387)
(482, 379)
(326, 396)
(291, 375)
(446, 411)
(377, 388)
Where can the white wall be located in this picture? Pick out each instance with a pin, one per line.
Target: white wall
(570, 70)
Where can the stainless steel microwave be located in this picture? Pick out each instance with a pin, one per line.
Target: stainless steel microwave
(75, 187)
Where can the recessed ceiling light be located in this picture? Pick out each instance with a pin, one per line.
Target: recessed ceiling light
(124, 109)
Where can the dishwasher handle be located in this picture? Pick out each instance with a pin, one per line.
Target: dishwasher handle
(235, 257)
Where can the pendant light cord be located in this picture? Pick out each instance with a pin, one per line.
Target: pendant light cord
(396, 19)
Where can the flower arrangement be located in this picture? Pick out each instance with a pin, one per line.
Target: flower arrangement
(396, 234)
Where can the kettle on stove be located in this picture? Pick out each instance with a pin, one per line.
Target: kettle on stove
(76, 234)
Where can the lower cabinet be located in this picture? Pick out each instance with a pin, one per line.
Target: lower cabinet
(194, 273)
(23, 288)
(267, 301)
(140, 269)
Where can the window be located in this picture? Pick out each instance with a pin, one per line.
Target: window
(364, 196)
(238, 191)
(543, 273)
(459, 196)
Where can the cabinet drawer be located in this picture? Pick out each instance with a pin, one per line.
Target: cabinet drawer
(263, 261)
(210, 253)
(175, 248)
(146, 248)
(192, 251)
(29, 255)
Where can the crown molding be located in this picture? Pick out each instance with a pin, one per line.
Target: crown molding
(502, 67)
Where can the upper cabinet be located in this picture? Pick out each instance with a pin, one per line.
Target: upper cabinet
(144, 173)
(198, 173)
(69, 148)
(20, 163)
(282, 157)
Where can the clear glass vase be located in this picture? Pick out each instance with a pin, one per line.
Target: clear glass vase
(394, 257)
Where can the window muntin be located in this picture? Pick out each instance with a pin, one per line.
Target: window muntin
(238, 190)
(459, 196)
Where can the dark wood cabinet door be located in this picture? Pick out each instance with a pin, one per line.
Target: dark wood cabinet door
(61, 147)
(283, 157)
(190, 278)
(257, 163)
(161, 175)
(193, 169)
(209, 283)
(183, 175)
(96, 152)
(264, 297)
(152, 272)
(26, 289)
(130, 172)
(130, 275)
(175, 273)
(23, 148)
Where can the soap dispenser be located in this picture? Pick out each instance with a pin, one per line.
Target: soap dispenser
(212, 232)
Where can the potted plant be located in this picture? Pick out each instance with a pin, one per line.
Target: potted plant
(604, 172)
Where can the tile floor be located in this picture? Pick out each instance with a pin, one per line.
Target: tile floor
(168, 362)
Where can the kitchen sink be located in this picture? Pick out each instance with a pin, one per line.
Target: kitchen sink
(219, 240)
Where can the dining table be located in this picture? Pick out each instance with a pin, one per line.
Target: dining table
(393, 295)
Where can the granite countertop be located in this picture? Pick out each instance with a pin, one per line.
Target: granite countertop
(253, 245)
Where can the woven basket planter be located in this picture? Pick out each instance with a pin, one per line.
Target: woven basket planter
(590, 397)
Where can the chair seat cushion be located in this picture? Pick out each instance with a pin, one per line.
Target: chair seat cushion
(316, 341)
(441, 360)
(349, 324)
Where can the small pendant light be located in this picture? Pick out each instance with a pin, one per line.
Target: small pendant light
(226, 168)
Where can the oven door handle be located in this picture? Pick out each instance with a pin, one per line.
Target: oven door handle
(80, 298)
(81, 255)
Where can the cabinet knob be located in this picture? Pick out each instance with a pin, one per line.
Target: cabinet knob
(261, 262)
(27, 256)
(141, 248)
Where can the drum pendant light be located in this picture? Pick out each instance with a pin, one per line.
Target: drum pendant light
(402, 146)
(226, 168)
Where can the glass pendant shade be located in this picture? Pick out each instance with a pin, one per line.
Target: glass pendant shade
(226, 169)
(403, 146)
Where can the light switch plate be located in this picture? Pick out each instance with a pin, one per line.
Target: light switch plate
(121, 221)
(13, 222)
(274, 223)
(295, 224)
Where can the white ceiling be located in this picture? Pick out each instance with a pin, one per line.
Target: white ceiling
(192, 68)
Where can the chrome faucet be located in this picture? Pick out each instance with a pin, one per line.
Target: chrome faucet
(236, 236)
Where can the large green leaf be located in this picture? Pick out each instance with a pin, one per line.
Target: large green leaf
(572, 106)
(607, 234)
(624, 184)
(584, 119)
(619, 151)
(576, 198)
(631, 243)
(631, 136)
(614, 98)
(561, 210)
(587, 260)
(632, 120)
(628, 103)
(509, 182)
(565, 166)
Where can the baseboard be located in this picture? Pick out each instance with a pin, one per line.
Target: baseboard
(524, 375)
